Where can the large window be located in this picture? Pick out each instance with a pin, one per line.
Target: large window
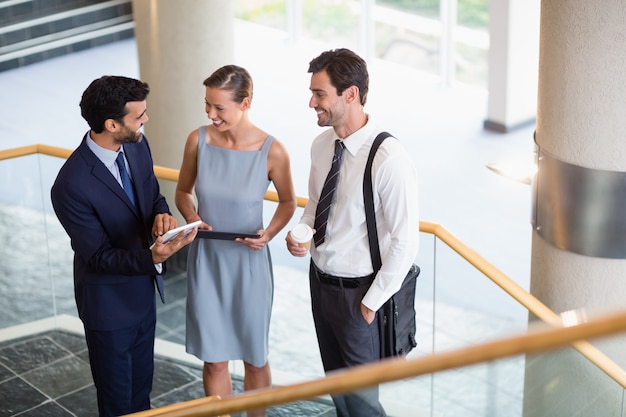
(446, 39)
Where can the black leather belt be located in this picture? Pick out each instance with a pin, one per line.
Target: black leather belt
(344, 282)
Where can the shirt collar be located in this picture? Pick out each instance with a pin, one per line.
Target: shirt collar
(357, 139)
(105, 155)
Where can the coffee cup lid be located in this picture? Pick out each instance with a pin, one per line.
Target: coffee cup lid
(302, 233)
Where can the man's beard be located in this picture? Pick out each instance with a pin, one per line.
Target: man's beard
(128, 136)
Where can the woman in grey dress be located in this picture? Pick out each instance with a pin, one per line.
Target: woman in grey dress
(230, 164)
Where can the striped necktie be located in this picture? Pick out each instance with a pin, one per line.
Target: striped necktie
(126, 182)
(326, 197)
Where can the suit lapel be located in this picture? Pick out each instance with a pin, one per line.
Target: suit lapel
(101, 173)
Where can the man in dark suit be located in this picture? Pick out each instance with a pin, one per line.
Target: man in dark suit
(107, 198)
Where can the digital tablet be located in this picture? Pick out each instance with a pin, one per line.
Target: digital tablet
(214, 234)
(187, 228)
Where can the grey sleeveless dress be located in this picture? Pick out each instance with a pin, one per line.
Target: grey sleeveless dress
(230, 287)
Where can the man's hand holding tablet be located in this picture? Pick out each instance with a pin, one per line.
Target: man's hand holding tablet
(186, 229)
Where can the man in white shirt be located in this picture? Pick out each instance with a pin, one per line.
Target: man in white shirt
(345, 290)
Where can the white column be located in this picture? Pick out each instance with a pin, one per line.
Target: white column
(580, 121)
(513, 56)
(179, 44)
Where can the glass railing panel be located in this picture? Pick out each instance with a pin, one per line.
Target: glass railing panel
(25, 281)
(424, 296)
(413, 396)
(456, 306)
(565, 383)
(59, 246)
(170, 325)
(294, 354)
(315, 407)
(457, 392)
(471, 309)
(488, 389)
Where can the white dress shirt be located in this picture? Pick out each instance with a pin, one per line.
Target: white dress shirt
(346, 252)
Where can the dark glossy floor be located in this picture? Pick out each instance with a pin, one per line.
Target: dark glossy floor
(47, 374)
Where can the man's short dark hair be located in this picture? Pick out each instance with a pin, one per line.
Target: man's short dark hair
(106, 98)
(345, 69)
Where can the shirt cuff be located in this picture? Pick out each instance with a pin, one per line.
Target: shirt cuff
(374, 298)
(158, 267)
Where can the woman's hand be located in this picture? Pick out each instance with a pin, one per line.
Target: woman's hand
(255, 243)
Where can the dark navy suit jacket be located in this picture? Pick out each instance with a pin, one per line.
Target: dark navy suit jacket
(114, 275)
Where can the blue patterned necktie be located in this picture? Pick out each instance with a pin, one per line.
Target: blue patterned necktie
(126, 182)
(326, 197)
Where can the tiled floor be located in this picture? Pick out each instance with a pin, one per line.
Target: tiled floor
(47, 374)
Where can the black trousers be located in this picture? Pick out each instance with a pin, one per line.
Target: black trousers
(345, 339)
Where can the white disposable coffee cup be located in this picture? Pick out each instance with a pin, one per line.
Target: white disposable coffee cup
(302, 235)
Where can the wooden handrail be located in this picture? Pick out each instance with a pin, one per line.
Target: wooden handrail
(526, 299)
(17, 152)
(388, 370)
(163, 173)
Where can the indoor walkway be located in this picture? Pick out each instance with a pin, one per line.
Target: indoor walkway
(47, 374)
(441, 128)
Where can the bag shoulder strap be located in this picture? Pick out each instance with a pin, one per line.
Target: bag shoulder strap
(368, 199)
